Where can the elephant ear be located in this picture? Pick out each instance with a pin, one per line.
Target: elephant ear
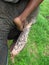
(12, 1)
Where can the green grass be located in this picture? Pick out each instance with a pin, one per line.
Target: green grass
(36, 51)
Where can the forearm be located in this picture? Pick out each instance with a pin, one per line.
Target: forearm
(32, 5)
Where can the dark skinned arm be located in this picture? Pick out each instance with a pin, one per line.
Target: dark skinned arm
(31, 6)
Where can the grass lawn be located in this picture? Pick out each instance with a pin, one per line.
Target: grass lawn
(36, 51)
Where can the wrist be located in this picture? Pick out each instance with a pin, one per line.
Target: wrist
(22, 18)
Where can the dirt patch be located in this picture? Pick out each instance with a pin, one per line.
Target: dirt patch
(47, 17)
(46, 50)
(34, 50)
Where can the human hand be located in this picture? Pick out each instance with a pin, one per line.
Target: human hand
(19, 23)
